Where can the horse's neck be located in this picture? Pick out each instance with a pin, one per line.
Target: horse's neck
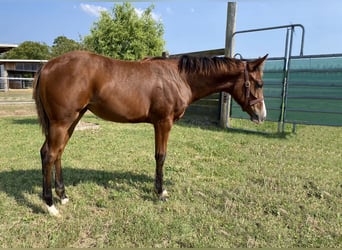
(204, 85)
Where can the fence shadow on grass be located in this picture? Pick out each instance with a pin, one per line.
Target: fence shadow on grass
(271, 135)
(18, 184)
(25, 120)
(213, 126)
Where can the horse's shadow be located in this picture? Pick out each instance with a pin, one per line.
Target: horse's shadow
(18, 183)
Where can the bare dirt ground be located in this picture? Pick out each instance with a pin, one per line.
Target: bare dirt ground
(17, 103)
(17, 109)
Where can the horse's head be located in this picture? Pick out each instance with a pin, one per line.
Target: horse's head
(249, 90)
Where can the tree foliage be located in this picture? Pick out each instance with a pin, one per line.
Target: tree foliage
(126, 34)
(29, 50)
(41, 51)
(63, 45)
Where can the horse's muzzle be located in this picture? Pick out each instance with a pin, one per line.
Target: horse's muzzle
(259, 115)
(257, 119)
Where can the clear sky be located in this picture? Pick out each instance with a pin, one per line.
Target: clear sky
(189, 25)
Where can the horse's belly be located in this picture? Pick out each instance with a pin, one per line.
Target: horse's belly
(119, 113)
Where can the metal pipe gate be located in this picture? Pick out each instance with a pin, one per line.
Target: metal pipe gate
(286, 62)
(311, 86)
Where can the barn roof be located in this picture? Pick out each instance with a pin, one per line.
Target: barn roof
(6, 47)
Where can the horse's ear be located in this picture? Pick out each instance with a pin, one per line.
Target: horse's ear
(257, 64)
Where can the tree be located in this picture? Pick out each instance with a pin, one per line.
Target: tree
(125, 34)
(29, 50)
(62, 45)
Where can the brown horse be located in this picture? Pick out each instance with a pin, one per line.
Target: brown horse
(154, 90)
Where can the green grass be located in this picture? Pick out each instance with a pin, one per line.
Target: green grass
(227, 188)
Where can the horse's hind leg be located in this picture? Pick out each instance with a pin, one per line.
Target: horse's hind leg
(59, 183)
(51, 154)
(47, 165)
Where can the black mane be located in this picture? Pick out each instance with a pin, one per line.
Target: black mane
(205, 65)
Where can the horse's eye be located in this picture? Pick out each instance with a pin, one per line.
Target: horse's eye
(258, 84)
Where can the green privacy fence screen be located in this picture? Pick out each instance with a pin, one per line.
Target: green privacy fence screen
(312, 94)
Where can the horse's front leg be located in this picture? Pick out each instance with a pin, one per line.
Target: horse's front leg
(162, 131)
(158, 185)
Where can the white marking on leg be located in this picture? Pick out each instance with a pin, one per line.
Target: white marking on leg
(64, 201)
(53, 211)
(164, 195)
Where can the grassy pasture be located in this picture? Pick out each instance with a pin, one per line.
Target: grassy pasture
(227, 188)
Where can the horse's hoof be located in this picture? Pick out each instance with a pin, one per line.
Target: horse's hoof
(64, 200)
(53, 211)
(164, 196)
